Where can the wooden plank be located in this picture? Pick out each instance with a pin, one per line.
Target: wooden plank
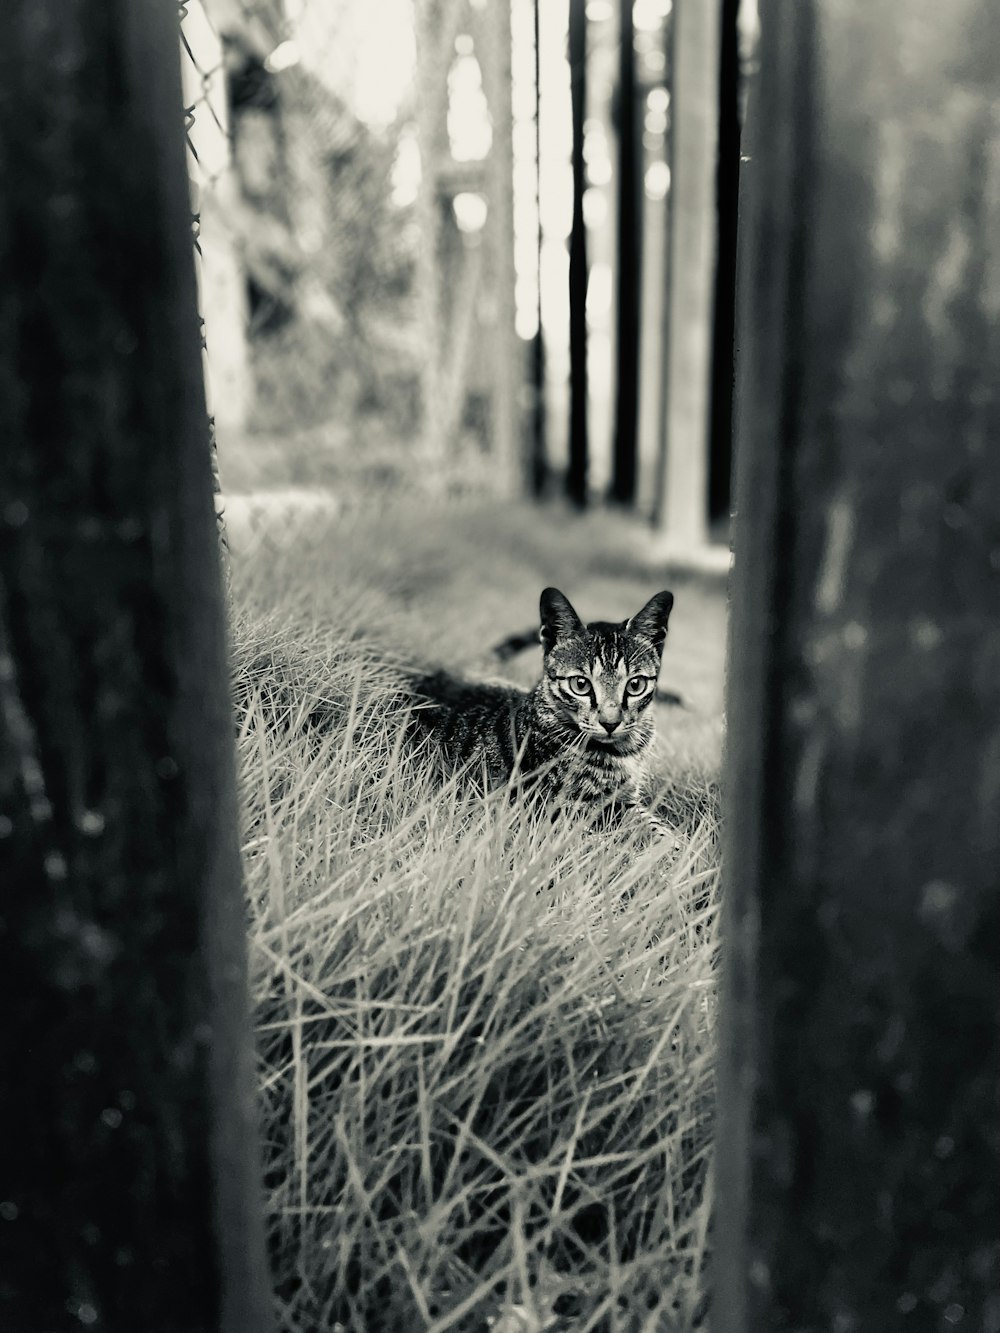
(859, 1138)
(130, 1195)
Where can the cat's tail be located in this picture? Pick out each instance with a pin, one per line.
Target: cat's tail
(670, 697)
(514, 644)
(518, 643)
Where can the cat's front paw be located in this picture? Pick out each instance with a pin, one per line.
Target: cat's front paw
(658, 828)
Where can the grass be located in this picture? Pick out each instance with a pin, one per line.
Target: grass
(485, 1040)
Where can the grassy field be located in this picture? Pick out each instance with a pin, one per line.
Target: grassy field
(485, 1041)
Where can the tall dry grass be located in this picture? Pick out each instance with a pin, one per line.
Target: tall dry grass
(485, 1038)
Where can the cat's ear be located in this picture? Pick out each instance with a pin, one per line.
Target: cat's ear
(559, 620)
(651, 621)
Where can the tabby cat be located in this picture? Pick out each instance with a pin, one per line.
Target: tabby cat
(583, 732)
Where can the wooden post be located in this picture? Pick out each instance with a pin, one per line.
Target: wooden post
(683, 508)
(859, 1143)
(130, 1194)
(624, 474)
(576, 480)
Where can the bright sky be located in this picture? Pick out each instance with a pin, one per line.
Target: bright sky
(364, 50)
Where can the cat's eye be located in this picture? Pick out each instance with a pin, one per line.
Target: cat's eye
(579, 684)
(636, 685)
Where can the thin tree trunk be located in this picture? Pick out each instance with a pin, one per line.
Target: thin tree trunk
(659, 499)
(435, 35)
(720, 443)
(509, 454)
(694, 114)
(130, 1182)
(539, 450)
(576, 481)
(859, 1143)
(625, 462)
(453, 374)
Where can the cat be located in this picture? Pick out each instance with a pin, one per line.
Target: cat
(582, 734)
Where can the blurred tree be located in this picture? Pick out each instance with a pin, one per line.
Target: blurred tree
(539, 444)
(465, 259)
(576, 480)
(130, 1196)
(859, 1137)
(682, 506)
(624, 473)
(508, 366)
(727, 179)
(329, 253)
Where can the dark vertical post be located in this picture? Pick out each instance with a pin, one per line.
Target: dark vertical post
(539, 452)
(658, 512)
(576, 480)
(624, 463)
(720, 441)
(130, 1192)
(859, 1144)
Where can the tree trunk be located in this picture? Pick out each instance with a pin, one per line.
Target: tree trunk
(539, 471)
(506, 436)
(625, 470)
(664, 295)
(683, 506)
(859, 1143)
(576, 481)
(727, 180)
(130, 1192)
(435, 36)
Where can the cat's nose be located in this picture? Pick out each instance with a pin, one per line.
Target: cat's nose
(609, 727)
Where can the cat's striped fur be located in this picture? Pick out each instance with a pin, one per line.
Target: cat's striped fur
(514, 644)
(582, 733)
